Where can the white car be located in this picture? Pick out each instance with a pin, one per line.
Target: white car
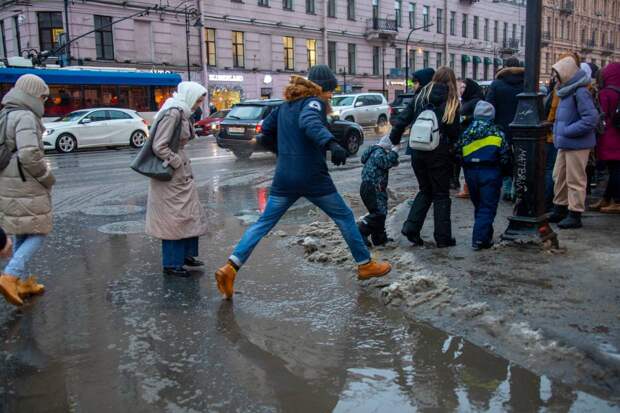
(367, 109)
(91, 128)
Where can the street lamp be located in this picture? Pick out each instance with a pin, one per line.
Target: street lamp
(529, 129)
(407, 54)
(189, 11)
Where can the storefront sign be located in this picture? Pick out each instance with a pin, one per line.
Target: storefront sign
(395, 83)
(225, 78)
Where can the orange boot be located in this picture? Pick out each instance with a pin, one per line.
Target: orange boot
(225, 277)
(9, 289)
(29, 287)
(373, 269)
(612, 208)
(464, 194)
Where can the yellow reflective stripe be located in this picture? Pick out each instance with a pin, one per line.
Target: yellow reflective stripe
(481, 143)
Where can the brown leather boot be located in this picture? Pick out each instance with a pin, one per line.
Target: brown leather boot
(29, 287)
(8, 288)
(612, 208)
(601, 203)
(373, 269)
(225, 277)
(464, 194)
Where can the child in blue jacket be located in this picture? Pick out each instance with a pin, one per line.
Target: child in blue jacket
(377, 160)
(486, 158)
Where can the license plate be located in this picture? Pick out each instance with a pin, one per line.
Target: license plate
(236, 130)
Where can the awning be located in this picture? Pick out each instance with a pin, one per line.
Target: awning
(477, 59)
(465, 58)
(92, 77)
(497, 61)
(488, 61)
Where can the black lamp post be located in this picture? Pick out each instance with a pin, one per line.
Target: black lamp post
(529, 129)
(189, 11)
(407, 54)
(343, 72)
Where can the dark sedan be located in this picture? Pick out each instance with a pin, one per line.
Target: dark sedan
(240, 127)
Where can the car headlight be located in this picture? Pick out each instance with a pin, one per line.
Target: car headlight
(336, 113)
(48, 132)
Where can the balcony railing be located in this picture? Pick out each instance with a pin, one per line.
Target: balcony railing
(588, 45)
(510, 46)
(381, 25)
(567, 6)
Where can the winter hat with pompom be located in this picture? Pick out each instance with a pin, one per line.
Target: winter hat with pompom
(32, 85)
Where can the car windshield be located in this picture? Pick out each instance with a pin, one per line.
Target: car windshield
(343, 100)
(220, 114)
(246, 112)
(73, 116)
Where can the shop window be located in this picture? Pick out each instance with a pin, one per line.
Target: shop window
(224, 98)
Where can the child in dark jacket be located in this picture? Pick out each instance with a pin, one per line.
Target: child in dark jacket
(485, 155)
(377, 160)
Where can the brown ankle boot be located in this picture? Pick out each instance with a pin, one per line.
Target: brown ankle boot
(9, 289)
(464, 194)
(29, 287)
(601, 203)
(225, 277)
(612, 208)
(373, 269)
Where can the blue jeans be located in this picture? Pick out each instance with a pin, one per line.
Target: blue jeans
(24, 248)
(552, 154)
(333, 205)
(484, 190)
(174, 252)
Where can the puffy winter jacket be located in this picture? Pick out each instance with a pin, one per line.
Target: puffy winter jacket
(300, 125)
(502, 94)
(471, 96)
(26, 183)
(608, 146)
(484, 144)
(377, 163)
(576, 116)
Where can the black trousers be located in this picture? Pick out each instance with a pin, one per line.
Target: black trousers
(612, 192)
(373, 223)
(433, 171)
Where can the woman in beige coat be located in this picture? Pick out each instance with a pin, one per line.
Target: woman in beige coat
(25, 184)
(174, 213)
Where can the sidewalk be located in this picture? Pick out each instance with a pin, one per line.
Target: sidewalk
(555, 312)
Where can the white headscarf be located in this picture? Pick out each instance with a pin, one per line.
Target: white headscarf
(586, 68)
(185, 97)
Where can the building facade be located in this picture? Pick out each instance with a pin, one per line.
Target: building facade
(245, 49)
(589, 27)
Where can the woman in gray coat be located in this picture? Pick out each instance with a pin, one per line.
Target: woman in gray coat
(25, 184)
(174, 213)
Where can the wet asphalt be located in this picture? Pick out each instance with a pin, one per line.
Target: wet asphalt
(112, 334)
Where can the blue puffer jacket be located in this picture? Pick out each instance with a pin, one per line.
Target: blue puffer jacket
(300, 125)
(576, 116)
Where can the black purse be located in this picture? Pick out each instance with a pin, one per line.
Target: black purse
(147, 163)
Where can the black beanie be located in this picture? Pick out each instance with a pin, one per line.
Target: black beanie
(323, 76)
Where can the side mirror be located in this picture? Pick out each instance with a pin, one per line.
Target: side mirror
(359, 103)
(85, 121)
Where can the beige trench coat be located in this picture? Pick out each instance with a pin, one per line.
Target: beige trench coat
(173, 209)
(25, 204)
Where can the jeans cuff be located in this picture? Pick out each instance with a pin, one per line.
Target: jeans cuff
(235, 260)
(364, 262)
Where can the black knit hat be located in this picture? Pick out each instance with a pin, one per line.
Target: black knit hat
(323, 76)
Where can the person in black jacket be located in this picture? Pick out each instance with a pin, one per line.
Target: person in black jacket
(433, 169)
(502, 94)
(470, 98)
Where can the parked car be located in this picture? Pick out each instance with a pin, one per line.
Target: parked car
(399, 104)
(366, 109)
(211, 124)
(244, 122)
(90, 128)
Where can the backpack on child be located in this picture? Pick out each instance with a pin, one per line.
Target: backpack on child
(424, 134)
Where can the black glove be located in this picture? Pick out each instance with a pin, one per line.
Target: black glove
(339, 154)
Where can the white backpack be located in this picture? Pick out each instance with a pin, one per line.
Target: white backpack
(424, 134)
